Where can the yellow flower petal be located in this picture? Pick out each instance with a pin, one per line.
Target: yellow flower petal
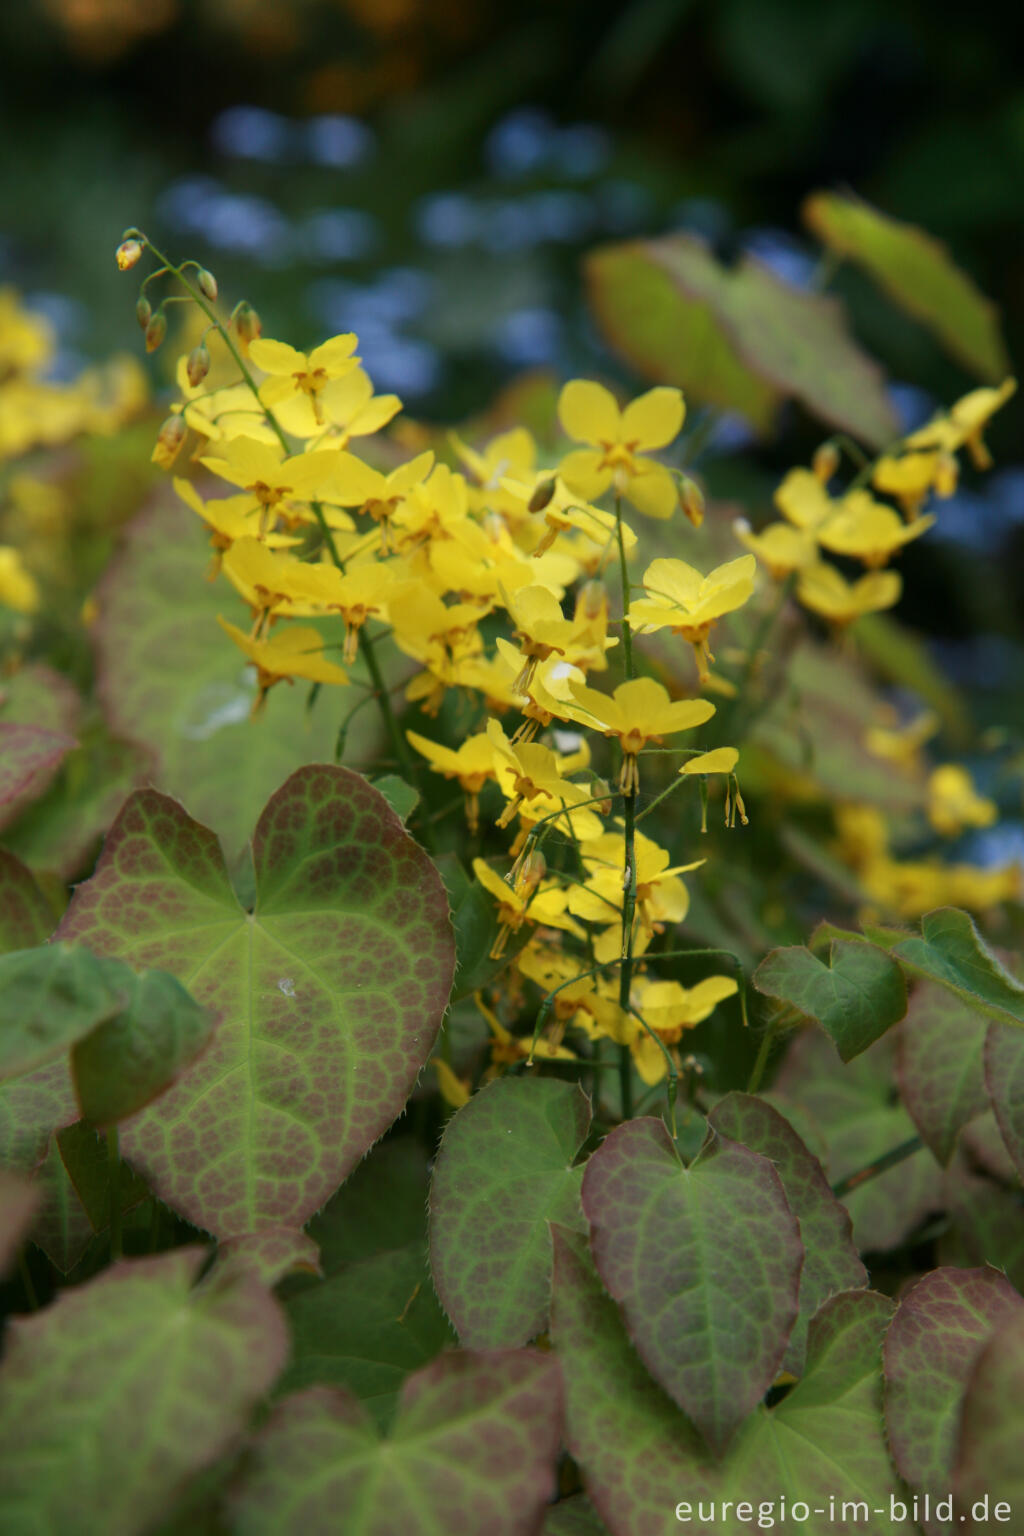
(655, 419)
(653, 490)
(721, 760)
(276, 357)
(588, 412)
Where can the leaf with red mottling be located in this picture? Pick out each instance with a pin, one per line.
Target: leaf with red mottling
(705, 1263)
(830, 1263)
(29, 758)
(270, 1254)
(125, 1387)
(939, 1049)
(941, 1326)
(1004, 1079)
(327, 997)
(989, 1465)
(504, 1170)
(472, 1449)
(25, 915)
(18, 1201)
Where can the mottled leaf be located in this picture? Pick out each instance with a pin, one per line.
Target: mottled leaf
(270, 1254)
(86, 1161)
(38, 695)
(25, 916)
(941, 1326)
(504, 1170)
(367, 1328)
(989, 1468)
(18, 1201)
(126, 1386)
(169, 679)
(50, 997)
(472, 1449)
(793, 341)
(855, 1106)
(29, 758)
(952, 952)
(128, 1060)
(327, 997)
(939, 1050)
(380, 1207)
(856, 992)
(830, 1259)
(917, 271)
(985, 1221)
(1004, 1080)
(31, 1107)
(705, 1263)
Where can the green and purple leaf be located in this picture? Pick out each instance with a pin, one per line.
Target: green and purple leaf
(29, 758)
(705, 1263)
(951, 951)
(940, 1055)
(989, 1467)
(1004, 1079)
(326, 998)
(25, 915)
(505, 1169)
(856, 992)
(472, 1449)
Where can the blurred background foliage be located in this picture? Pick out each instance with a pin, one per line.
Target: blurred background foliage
(432, 174)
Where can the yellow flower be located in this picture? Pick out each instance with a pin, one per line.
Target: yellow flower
(909, 478)
(670, 1008)
(527, 901)
(803, 500)
(868, 531)
(541, 630)
(359, 593)
(661, 897)
(297, 388)
(824, 591)
(472, 763)
(720, 760)
(902, 744)
(270, 478)
(512, 453)
(351, 408)
(354, 484)
(589, 414)
(954, 803)
(639, 711)
(681, 599)
(780, 547)
(562, 510)
(297, 652)
(529, 773)
(228, 518)
(18, 587)
(965, 424)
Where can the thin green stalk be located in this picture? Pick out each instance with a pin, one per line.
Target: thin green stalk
(880, 1165)
(114, 1165)
(767, 1041)
(672, 1086)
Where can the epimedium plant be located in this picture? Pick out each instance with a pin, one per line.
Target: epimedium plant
(689, 1222)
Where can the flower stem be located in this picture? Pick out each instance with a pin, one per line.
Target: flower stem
(880, 1165)
(629, 845)
(767, 1041)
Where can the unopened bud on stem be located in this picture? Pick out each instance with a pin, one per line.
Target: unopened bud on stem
(691, 499)
(198, 365)
(143, 311)
(156, 330)
(825, 462)
(168, 441)
(127, 254)
(207, 284)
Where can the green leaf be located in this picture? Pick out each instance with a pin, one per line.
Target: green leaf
(172, 681)
(29, 758)
(367, 1328)
(125, 1387)
(87, 1164)
(31, 1107)
(472, 1449)
(401, 797)
(674, 311)
(382, 1206)
(830, 1259)
(917, 272)
(705, 1263)
(575, 1516)
(939, 1048)
(327, 997)
(270, 1255)
(25, 916)
(1004, 1080)
(130, 1059)
(640, 1456)
(855, 1107)
(952, 952)
(985, 1225)
(62, 1228)
(18, 1202)
(504, 1170)
(941, 1326)
(50, 997)
(989, 1466)
(856, 993)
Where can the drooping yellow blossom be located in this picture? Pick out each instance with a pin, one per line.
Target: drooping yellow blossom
(780, 547)
(298, 387)
(528, 901)
(866, 530)
(661, 897)
(826, 592)
(359, 593)
(669, 1009)
(297, 651)
(354, 484)
(618, 440)
(529, 772)
(229, 518)
(639, 711)
(953, 802)
(541, 630)
(510, 454)
(472, 763)
(265, 580)
(587, 1002)
(507, 1048)
(273, 480)
(681, 599)
(965, 424)
(910, 477)
(19, 589)
(721, 760)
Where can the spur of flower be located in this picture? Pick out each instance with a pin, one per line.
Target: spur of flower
(681, 599)
(618, 442)
(297, 386)
(638, 712)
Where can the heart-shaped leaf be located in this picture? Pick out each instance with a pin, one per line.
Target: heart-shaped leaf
(705, 1263)
(856, 993)
(29, 757)
(472, 1449)
(1004, 1079)
(505, 1169)
(940, 1047)
(989, 1471)
(25, 916)
(124, 1387)
(50, 997)
(831, 1263)
(327, 997)
(918, 272)
(952, 952)
(940, 1328)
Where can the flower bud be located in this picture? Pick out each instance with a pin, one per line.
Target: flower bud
(248, 325)
(601, 791)
(207, 284)
(143, 311)
(591, 602)
(542, 495)
(691, 499)
(168, 441)
(825, 462)
(198, 365)
(530, 873)
(127, 254)
(156, 330)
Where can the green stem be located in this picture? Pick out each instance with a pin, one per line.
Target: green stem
(880, 1165)
(114, 1164)
(672, 1086)
(767, 1040)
